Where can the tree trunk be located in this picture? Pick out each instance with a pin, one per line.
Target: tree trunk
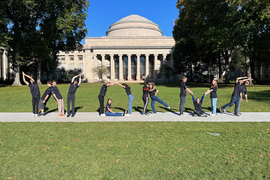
(17, 77)
(39, 71)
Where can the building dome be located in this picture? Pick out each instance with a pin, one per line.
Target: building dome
(134, 26)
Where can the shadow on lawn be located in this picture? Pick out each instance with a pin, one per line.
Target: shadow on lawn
(170, 110)
(259, 96)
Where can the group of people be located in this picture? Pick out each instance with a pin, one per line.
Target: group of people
(149, 89)
(40, 103)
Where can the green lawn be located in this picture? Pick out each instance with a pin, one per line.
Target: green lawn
(18, 99)
(134, 150)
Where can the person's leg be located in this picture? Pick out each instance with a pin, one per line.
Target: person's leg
(153, 105)
(36, 104)
(131, 98)
(236, 108)
(160, 101)
(198, 113)
(33, 104)
(182, 104)
(239, 103)
(113, 114)
(68, 105)
(226, 106)
(214, 105)
(62, 103)
(59, 107)
(73, 104)
(101, 103)
(146, 100)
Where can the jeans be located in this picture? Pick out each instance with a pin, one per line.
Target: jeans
(182, 104)
(199, 113)
(35, 101)
(101, 104)
(234, 100)
(130, 101)
(238, 111)
(154, 99)
(113, 114)
(145, 101)
(72, 98)
(214, 105)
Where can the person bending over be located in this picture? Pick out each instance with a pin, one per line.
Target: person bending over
(130, 97)
(198, 105)
(58, 97)
(44, 99)
(246, 82)
(153, 94)
(101, 95)
(109, 111)
(71, 94)
(34, 91)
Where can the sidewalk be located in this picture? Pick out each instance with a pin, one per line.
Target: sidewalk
(136, 116)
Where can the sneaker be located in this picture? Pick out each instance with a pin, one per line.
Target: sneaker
(237, 114)
(33, 115)
(43, 115)
(60, 115)
(221, 110)
(102, 115)
(204, 115)
(127, 115)
(72, 115)
(68, 115)
(195, 115)
(168, 107)
(39, 114)
(36, 114)
(63, 115)
(124, 113)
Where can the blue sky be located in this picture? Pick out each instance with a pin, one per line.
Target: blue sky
(103, 13)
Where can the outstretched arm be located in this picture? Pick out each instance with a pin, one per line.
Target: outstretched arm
(190, 92)
(80, 79)
(121, 85)
(202, 98)
(193, 99)
(27, 83)
(72, 80)
(240, 78)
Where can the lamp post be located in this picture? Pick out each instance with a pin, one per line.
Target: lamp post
(1, 62)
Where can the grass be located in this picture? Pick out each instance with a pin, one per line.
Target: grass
(18, 99)
(134, 150)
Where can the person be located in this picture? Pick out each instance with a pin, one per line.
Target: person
(101, 95)
(183, 98)
(246, 82)
(58, 97)
(213, 97)
(153, 94)
(145, 98)
(109, 111)
(198, 105)
(130, 97)
(71, 94)
(34, 89)
(237, 93)
(44, 99)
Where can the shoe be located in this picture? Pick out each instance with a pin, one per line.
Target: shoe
(204, 115)
(221, 110)
(181, 114)
(39, 114)
(237, 114)
(33, 115)
(127, 115)
(60, 115)
(195, 115)
(72, 115)
(43, 115)
(63, 115)
(102, 115)
(68, 115)
(168, 107)
(124, 113)
(36, 114)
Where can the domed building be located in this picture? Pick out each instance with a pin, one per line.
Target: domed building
(133, 50)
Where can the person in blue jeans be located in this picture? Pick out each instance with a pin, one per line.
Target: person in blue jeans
(130, 97)
(237, 93)
(153, 94)
(213, 97)
(109, 111)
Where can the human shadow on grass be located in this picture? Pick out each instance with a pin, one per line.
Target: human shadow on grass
(259, 95)
(170, 110)
(50, 111)
(138, 109)
(189, 111)
(76, 109)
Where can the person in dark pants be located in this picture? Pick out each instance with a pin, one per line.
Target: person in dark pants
(58, 97)
(237, 93)
(153, 94)
(198, 105)
(130, 97)
(71, 94)
(246, 82)
(183, 97)
(34, 91)
(101, 95)
(145, 98)
(44, 99)
(109, 111)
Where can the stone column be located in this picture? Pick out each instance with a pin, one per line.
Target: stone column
(155, 66)
(112, 67)
(121, 67)
(163, 77)
(103, 63)
(129, 67)
(138, 67)
(146, 66)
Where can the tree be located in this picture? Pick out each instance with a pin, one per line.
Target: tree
(100, 71)
(167, 71)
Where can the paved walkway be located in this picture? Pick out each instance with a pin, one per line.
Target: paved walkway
(136, 116)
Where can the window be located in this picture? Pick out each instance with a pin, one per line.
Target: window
(71, 58)
(62, 58)
(80, 57)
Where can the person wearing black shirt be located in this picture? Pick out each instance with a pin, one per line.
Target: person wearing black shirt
(71, 94)
(183, 97)
(198, 105)
(130, 97)
(44, 99)
(153, 94)
(109, 111)
(237, 93)
(58, 97)
(145, 98)
(34, 91)
(244, 91)
(101, 95)
(213, 97)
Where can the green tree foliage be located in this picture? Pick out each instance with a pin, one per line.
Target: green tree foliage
(100, 71)
(167, 71)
